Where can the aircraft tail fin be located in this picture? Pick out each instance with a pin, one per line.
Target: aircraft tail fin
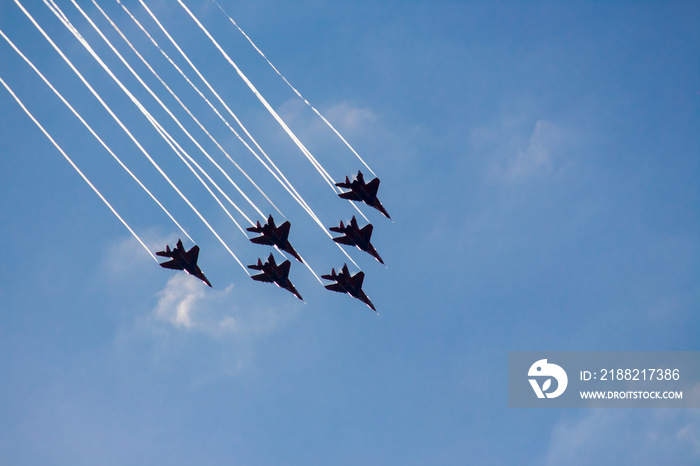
(255, 229)
(166, 253)
(258, 266)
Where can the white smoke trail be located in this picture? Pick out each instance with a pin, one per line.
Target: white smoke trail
(280, 178)
(75, 167)
(275, 115)
(166, 136)
(167, 110)
(288, 186)
(125, 129)
(311, 270)
(65, 102)
(262, 100)
(293, 88)
(184, 107)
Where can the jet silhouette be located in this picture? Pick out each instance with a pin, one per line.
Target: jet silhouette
(352, 285)
(273, 273)
(361, 191)
(183, 260)
(274, 236)
(356, 236)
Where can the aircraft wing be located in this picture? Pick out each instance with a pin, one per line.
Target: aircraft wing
(357, 279)
(172, 265)
(367, 231)
(336, 287)
(284, 269)
(284, 229)
(350, 195)
(262, 278)
(261, 240)
(373, 187)
(344, 240)
(194, 254)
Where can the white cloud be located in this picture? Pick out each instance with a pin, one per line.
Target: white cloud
(536, 157)
(125, 255)
(219, 331)
(519, 151)
(345, 117)
(627, 436)
(189, 305)
(178, 300)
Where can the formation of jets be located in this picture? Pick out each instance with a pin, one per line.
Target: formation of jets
(278, 236)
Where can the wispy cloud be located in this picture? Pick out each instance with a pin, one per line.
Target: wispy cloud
(123, 256)
(349, 118)
(519, 150)
(642, 437)
(186, 304)
(354, 123)
(217, 331)
(185, 310)
(345, 117)
(536, 157)
(178, 301)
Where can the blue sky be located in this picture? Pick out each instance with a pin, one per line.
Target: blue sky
(541, 164)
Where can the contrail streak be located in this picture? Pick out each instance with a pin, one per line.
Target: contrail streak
(184, 107)
(167, 110)
(269, 108)
(293, 88)
(312, 270)
(283, 181)
(46, 133)
(166, 136)
(125, 129)
(272, 111)
(65, 102)
(288, 186)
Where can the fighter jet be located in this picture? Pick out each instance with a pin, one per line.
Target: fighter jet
(273, 273)
(183, 260)
(274, 236)
(352, 285)
(361, 191)
(356, 236)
